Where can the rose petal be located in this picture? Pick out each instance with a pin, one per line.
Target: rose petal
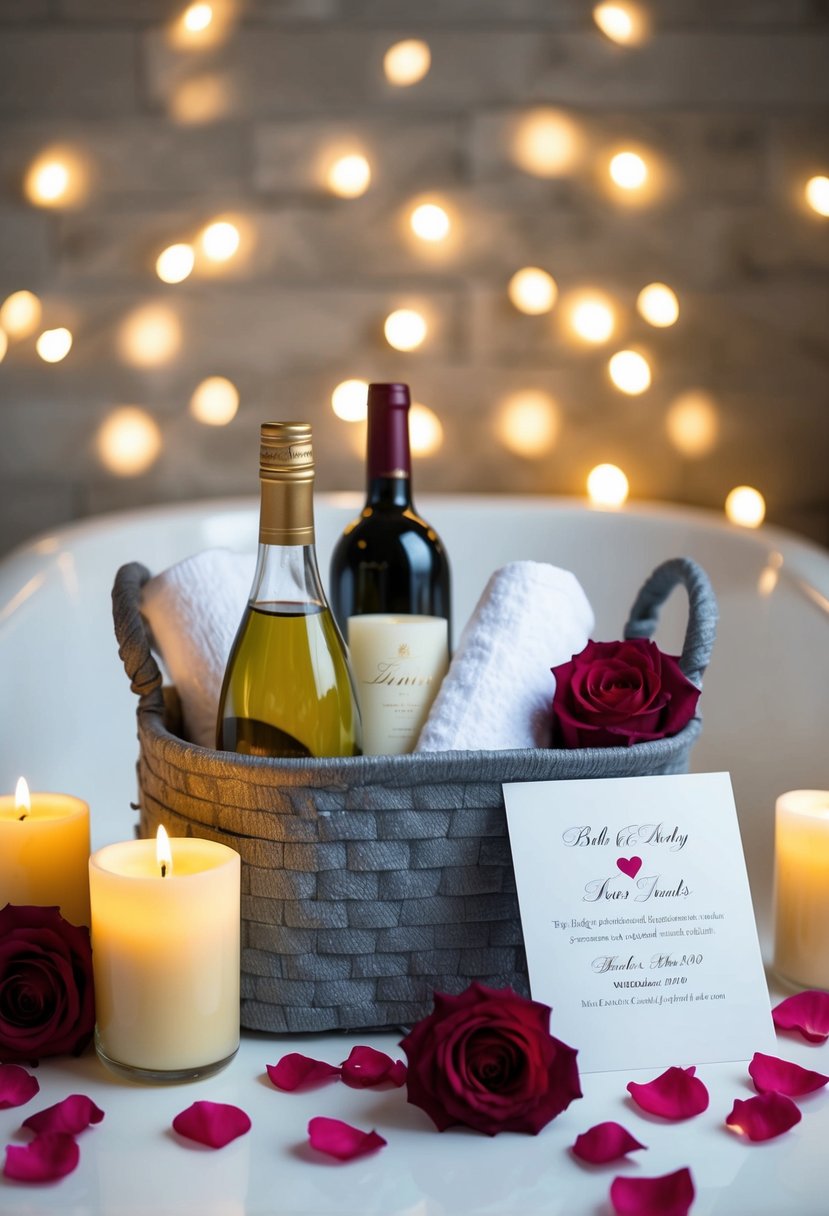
(807, 1013)
(668, 1195)
(341, 1140)
(73, 1115)
(604, 1142)
(295, 1070)
(212, 1123)
(366, 1066)
(16, 1086)
(676, 1094)
(770, 1074)
(49, 1157)
(763, 1117)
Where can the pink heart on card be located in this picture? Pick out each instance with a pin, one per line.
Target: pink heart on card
(629, 865)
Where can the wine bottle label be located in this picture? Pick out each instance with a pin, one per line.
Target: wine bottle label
(398, 664)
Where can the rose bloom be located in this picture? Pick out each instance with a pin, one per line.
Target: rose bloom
(487, 1059)
(47, 1006)
(613, 694)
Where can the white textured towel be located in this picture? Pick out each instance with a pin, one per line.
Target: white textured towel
(194, 610)
(499, 688)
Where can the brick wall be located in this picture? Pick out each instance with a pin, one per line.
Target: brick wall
(730, 99)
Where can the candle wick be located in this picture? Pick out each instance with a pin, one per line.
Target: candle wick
(164, 869)
(23, 816)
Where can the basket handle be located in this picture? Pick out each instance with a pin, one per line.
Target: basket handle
(131, 634)
(702, 612)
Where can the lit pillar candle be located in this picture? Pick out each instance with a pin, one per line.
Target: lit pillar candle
(44, 852)
(801, 888)
(165, 950)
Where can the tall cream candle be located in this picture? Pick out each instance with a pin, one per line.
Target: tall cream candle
(801, 888)
(44, 852)
(165, 950)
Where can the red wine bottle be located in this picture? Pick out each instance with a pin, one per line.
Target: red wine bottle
(389, 560)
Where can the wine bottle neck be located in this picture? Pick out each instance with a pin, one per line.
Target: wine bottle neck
(389, 491)
(286, 514)
(389, 461)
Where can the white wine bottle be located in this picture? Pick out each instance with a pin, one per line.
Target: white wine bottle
(288, 688)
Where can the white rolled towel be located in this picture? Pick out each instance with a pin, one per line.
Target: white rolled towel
(499, 688)
(193, 610)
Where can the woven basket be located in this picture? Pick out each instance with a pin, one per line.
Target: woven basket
(370, 882)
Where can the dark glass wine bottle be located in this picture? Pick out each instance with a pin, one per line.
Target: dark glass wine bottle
(389, 560)
(288, 688)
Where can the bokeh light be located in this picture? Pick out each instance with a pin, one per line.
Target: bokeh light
(128, 441)
(628, 170)
(150, 336)
(215, 401)
(546, 143)
(407, 62)
(658, 305)
(425, 430)
(4, 344)
(197, 18)
(745, 506)
(53, 345)
(349, 176)
(692, 423)
(630, 372)
(175, 264)
(57, 178)
(621, 23)
(817, 194)
(405, 329)
(430, 222)
(349, 400)
(532, 290)
(592, 317)
(607, 486)
(200, 99)
(528, 423)
(20, 314)
(220, 240)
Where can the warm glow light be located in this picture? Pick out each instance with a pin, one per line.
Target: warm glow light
(20, 314)
(220, 240)
(532, 290)
(622, 23)
(658, 305)
(430, 222)
(215, 401)
(528, 423)
(54, 345)
(200, 99)
(4, 344)
(405, 329)
(407, 62)
(22, 799)
(745, 506)
(47, 182)
(630, 372)
(607, 486)
(817, 194)
(163, 853)
(349, 400)
(425, 430)
(546, 143)
(593, 318)
(150, 336)
(692, 423)
(628, 170)
(175, 263)
(128, 441)
(197, 18)
(349, 177)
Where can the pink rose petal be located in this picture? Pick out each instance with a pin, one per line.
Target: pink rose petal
(341, 1140)
(604, 1142)
(669, 1195)
(763, 1117)
(73, 1115)
(676, 1094)
(16, 1086)
(365, 1067)
(807, 1013)
(770, 1074)
(295, 1071)
(49, 1157)
(212, 1123)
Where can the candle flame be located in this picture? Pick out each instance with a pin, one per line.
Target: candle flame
(22, 800)
(163, 854)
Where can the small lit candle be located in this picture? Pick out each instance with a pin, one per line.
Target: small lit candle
(44, 852)
(165, 948)
(801, 888)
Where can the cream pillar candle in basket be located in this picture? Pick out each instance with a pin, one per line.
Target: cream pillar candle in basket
(165, 951)
(801, 888)
(44, 852)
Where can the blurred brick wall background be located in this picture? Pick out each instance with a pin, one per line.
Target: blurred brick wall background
(728, 98)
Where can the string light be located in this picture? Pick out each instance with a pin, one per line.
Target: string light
(630, 372)
(220, 240)
(546, 143)
(405, 329)
(150, 336)
(745, 506)
(349, 400)
(53, 180)
(592, 318)
(528, 423)
(692, 424)
(20, 314)
(658, 305)
(53, 345)
(607, 486)
(430, 222)
(817, 194)
(197, 18)
(349, 176)
(175, 264)
(628, 170)
(621, 23)
(425, 430)
(407, 62)
(532, 290)
(215, 401)
(128, 441)
(200, 99)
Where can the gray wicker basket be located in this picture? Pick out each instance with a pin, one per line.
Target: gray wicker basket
(370, 882)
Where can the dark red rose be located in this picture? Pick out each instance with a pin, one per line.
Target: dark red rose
(47, 1006)
(613, 694)
(487, 1059)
